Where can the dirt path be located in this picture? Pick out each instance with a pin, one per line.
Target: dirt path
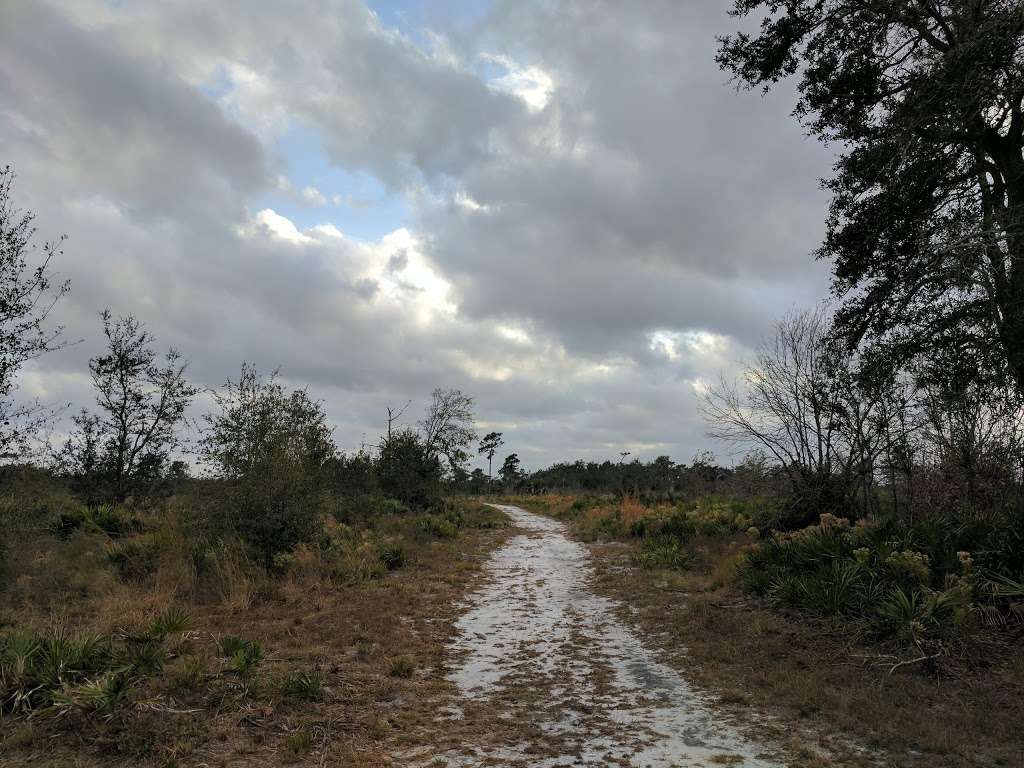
(572, 685)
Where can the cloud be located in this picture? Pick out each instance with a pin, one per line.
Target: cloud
(314, 196)
(597, 224)
(531, 84)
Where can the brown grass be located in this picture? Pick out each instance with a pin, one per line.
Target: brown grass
(199, 714)
(792, 676)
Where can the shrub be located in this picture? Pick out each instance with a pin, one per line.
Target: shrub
(678, 526)
(274, 511)
(437, 526)
(871, 574)
(393, 556)
(136, 558)
(104, 518)
(91, 675)
(402, 666)
(274, 449)
(171, 621)
(664, 551)
(242, 655)
(385, 506)
(409, 471)
(99, 697)
(308, 686)
(145, 658)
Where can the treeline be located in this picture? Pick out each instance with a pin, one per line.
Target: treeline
(659, 480)
(269, 469)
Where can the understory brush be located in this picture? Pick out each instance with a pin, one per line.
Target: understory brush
(923, 586)
(931, 587)
(98, 653)
(664, 530)
(61, 672)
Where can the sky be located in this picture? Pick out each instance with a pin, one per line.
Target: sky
(563, 209)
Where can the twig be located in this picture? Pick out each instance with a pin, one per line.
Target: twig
(908, 662)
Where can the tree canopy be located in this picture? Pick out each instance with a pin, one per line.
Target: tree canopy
(27, 294)
(926, 100)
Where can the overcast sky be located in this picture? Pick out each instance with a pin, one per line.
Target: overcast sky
(564, 209)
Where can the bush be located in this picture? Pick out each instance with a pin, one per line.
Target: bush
(105, 518)
(664, 552)
(408, 471)
(274, 450)
(135, 559)
(78, 673)
(242, 655)
(308, 686)
(393, 556)
(274, 510)
(871, 574)
(437, 526)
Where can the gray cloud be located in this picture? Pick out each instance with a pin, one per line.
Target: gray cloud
(580, 256)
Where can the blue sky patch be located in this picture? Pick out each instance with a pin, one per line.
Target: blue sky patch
(356, 202)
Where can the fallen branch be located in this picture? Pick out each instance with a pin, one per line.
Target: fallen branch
(908, 662)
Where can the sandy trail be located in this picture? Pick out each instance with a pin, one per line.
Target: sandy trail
(575, 685)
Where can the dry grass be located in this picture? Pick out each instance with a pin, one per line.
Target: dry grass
(632, 511)
(198, 713)
(791, 676)
(806, 683)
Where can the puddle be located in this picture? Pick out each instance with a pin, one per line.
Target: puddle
(538, 645)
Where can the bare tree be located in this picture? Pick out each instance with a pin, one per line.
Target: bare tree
(142, 402)
(27, 295)
(801, 402)
(394, 414)
(447, 427)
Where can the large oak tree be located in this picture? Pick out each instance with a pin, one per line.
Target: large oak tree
(924, 100)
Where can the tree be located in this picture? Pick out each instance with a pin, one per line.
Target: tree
(447, 427)
(510, 473)
(664, 471)
(142, 403)
(926, 99)
(800, 402)
(408, 470)
(394, 414)
(274, 450)
(489, 445)
(477, 481)
(259, 422)
(27, 295)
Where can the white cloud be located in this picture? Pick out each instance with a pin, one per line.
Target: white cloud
(530, 83)
(270, 223)
(314, 196)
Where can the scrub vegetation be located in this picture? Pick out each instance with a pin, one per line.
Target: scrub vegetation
(236, 590)
(879, 631)
(233, 589)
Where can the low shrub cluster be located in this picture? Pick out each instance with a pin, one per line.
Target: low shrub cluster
(62, 672)
(664, 551)
(665, 530)
(344, 555)
(920, 586)
(113, 520)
